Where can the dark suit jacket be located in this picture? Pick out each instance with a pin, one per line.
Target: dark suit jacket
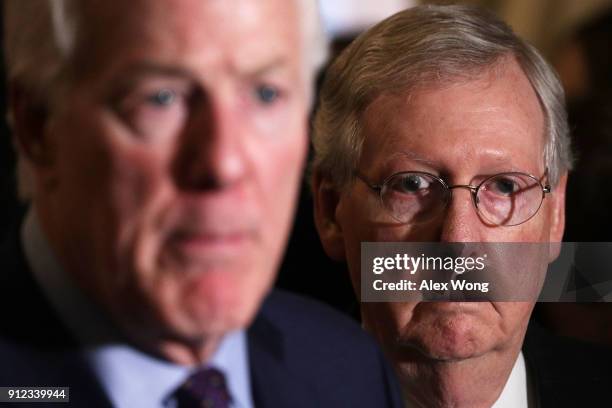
(302, 354)
(567, 372)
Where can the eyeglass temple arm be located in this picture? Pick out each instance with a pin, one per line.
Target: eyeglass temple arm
(375, 187)
(547, 189)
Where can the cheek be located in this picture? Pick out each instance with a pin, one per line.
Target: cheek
(387, 320)
(361, 220)
(100, 160)
(139, 184)
(112, 183)
(536, 229)
(139, 196)
(353, 233)
(514, 316)
(278, 170)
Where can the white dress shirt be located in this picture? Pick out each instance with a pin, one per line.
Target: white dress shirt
(130, 377)
(516, 391)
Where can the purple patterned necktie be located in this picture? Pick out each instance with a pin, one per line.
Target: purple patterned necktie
(205, 388)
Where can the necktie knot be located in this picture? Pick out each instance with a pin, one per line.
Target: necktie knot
(205, 388)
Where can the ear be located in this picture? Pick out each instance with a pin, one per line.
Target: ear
(326, 200)
(557, 226)
(558, 210)
(29, 123)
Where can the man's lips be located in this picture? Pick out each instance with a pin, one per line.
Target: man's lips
(204, 243)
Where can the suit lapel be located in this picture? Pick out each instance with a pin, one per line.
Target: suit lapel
(28, 318)
(273, 383)
(34, 343)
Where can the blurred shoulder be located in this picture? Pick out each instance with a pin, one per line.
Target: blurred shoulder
(327, 350)
(306, 320)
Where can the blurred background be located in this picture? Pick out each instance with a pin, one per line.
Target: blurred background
(575, 36)
(544, 23)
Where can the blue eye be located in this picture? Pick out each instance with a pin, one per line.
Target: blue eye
(164, 97)
(266, 94)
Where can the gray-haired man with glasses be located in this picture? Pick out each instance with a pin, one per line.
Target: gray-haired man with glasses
(439, 124)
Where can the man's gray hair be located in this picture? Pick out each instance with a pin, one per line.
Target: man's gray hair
(40, 37)
(420, 47)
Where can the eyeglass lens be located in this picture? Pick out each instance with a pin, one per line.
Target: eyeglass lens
(505, 199)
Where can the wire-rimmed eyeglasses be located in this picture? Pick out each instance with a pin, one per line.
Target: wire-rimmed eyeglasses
(504, 199)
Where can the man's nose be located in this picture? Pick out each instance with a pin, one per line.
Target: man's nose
(461, 222)
(212, 148)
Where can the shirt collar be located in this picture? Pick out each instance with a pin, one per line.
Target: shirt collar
(129, 376)
(132, 378)
(515, 393)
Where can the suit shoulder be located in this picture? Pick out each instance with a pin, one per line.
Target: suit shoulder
(326, 350)
(316, 335)
(300, 316)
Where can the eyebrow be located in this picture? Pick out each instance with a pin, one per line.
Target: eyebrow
(274, 65)
(416, 157)
(150, 68)
(489, 160)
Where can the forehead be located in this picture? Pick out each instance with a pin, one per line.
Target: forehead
(201, 33)
(494, 120)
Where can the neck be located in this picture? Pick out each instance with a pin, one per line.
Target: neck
(189, 347)
(473, 382)
(183, 352)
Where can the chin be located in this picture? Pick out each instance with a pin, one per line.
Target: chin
(219, 302)
(447, 338)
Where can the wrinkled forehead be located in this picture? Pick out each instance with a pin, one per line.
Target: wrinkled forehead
(494, 116)
(109, 31)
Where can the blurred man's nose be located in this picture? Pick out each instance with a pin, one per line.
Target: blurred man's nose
(212, 150)
(461, 222)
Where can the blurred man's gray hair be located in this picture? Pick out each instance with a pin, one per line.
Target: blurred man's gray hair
(40, 37)
(427, 46)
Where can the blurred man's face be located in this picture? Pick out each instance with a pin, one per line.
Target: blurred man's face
(462, 133)
(178, 158)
